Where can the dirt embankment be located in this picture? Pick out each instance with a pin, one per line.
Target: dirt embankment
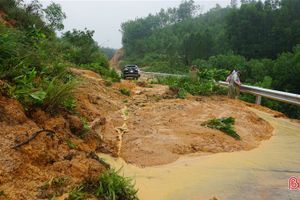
(151, 127)
(148, 128)
(49, 164)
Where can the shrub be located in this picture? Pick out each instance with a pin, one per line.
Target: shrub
(57, 93)
(223, 124)
(205, 84)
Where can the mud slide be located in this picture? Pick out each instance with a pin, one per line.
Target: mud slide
(151, 127)
(259, 174)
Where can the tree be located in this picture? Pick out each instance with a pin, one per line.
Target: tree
(186, 10)
(55, 16)
(233, 3)
(81, 48)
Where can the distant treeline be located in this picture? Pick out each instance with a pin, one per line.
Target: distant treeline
(259, 38)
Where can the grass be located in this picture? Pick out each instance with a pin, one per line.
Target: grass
(112, 186)
(77, 193)
(223, 124)
(109, 186)
(58, 93)
(125, 91)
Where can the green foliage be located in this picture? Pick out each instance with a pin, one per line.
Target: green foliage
(125, 91)
(112, 186)
(70, 144)
(223, 124)
(109, 186)
(57, 93)
(55, 16)
(81, 48)
(69, 103)
(205, 84)
(181, 93)
(85, 123)
(77, 193)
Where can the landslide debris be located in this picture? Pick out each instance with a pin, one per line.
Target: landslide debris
(159, 128)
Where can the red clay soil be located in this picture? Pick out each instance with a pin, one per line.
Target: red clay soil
(150, 127)
(25, 171)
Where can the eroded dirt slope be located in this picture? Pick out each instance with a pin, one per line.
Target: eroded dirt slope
(49, 164)
(151, 127)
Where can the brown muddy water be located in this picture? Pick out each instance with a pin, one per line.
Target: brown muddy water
(259, 174)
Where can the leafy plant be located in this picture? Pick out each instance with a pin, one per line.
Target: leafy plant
(223, 124)
(70, 103)
(85, 123)
(125, 91)
(181, 93)
(58, 93)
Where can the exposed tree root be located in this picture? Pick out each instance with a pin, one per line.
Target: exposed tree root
(34, 135)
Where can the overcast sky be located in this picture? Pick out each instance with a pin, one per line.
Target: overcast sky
(105, 17)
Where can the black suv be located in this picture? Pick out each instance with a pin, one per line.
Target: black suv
(131, 71)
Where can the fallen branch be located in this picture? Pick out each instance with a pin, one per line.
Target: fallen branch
(49, 133)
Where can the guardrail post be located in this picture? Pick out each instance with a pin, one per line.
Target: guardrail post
(258, 100)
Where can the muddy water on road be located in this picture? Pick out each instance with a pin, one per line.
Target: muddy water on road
(261, 173)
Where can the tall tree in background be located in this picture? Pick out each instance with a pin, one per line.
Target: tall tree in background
(55, 16)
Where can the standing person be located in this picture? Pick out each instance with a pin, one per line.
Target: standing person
(194, 73)
(234, 84)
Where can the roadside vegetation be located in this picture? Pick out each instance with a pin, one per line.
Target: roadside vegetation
(259, 38)
(34, 61)
(223, 124)
(199, 83)
(109, 186)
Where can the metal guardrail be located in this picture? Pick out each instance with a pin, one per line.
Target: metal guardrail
(161, 74)
(257, 91)
(271, 94)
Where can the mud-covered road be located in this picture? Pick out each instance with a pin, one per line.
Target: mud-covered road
(259, 174)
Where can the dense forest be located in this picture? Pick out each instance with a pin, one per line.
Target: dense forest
(258, 38)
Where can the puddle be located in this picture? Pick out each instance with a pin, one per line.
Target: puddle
(261, 173)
